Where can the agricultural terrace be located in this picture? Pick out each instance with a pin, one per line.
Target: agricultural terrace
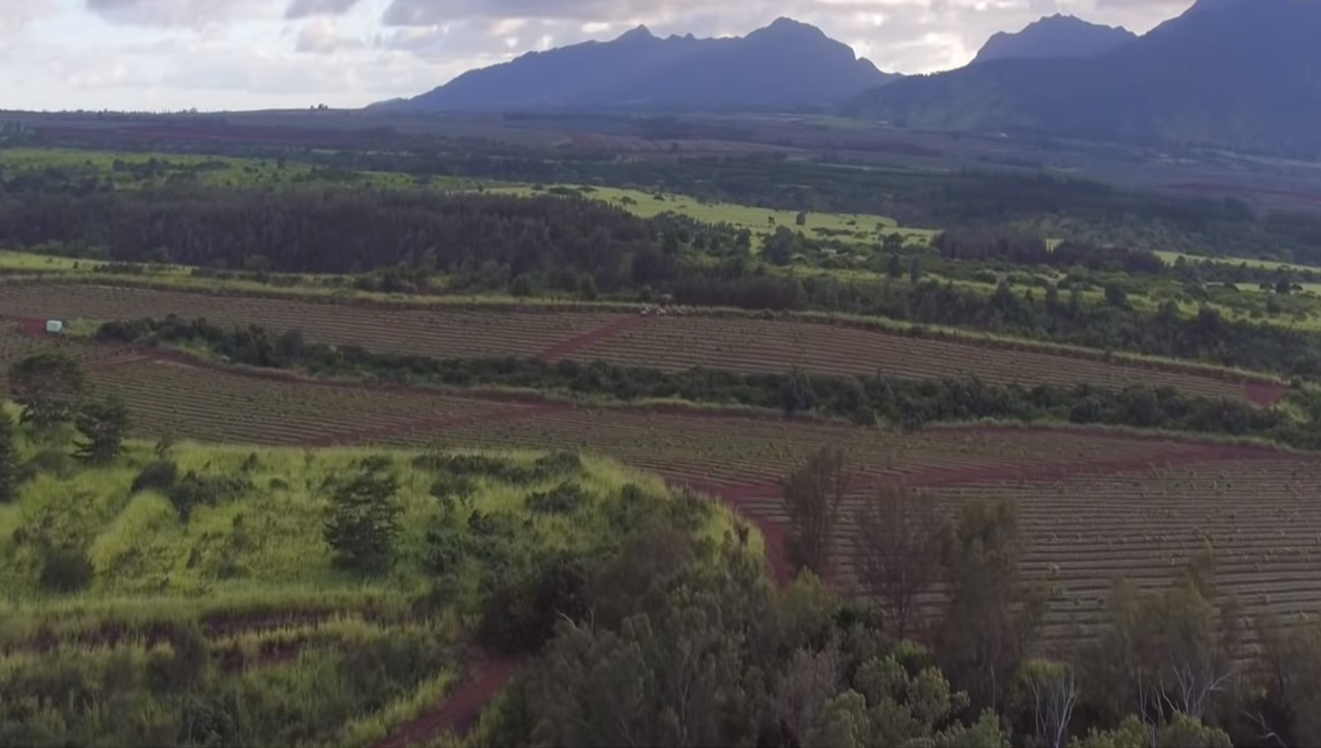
(740, 343)
(220, 608)
(773, 346)
(439, 333)
(1258, 511)
(210, 403)
(762, 222)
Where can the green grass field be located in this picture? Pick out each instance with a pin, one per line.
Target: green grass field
(762, 222)
(135, 170)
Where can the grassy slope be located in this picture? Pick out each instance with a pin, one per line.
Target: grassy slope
(259, 561)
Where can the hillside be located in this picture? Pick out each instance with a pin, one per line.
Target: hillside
(1054, 37)
(1228, 73)
(787, 65)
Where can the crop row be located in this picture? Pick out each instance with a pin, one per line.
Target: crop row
(661, 342)
(440, 332)
(206, 405)
(1261, 519)
(773, 346)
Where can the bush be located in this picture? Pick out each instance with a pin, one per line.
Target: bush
(520, 615)
(52, 462)
(565, 498)
(67, 570)
(204, 490)
(160, 475)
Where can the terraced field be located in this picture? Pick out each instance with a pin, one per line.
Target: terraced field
(772, 346)
(440, 333)
(206, 405)
(670, 343)
(1095, 504)
(1258, 510)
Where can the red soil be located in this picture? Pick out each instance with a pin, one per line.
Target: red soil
(566, 348)
(1265, 394)
(460, 710)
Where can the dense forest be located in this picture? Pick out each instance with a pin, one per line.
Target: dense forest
(865, 400)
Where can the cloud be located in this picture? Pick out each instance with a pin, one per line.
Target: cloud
(304, 8)
(180, 13)
(321, 36)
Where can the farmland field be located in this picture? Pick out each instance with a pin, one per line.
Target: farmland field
(1094, 503)
(667, 343)
(1258, 511)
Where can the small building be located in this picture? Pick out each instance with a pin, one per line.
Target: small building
(54, 326)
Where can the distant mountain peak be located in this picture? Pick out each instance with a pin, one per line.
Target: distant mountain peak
(641, 32)
(785, 66)
(1057, 36)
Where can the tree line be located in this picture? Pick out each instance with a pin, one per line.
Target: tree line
(862, 399)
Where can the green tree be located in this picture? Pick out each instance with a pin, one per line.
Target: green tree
(894, 267)
(102, 426)
(991, 615)
(48, 386)
(364, 519)
(813, 496)
(914, 270)
(801, 218)
(9, 463)
(1176, 648)
(1180, 731)
(898, 541)
(1048, 692)
(1289, 664)
(893, 243)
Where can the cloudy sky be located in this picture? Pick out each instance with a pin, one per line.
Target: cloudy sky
(241, 54)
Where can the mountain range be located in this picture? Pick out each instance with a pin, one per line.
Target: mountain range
(787, 65)
(1240, 74)
(1054, 37)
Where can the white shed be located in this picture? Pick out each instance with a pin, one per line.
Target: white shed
(54, 326)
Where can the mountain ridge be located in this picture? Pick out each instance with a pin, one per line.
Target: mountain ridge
(1237, 74)
(1057, 36)
(784, 65)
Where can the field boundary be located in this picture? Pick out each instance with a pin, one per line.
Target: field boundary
(566, 348)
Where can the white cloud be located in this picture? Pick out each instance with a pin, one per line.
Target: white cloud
(242, 53)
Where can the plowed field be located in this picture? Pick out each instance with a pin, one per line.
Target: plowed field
(1259, 511)
(772, 346)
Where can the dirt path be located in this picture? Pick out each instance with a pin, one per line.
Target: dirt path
(567, 348)
(461, 709)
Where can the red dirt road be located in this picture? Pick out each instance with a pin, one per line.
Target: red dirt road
(461, 710)
(567, 348)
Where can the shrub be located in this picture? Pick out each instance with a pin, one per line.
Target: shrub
(520, 615)
(565, 498)
(204, 490)
(52, 462)
(67, 570)
(160, 475)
